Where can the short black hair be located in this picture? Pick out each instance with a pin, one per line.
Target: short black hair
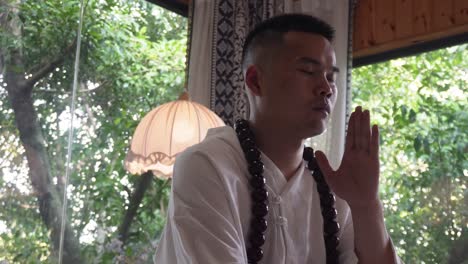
(273, 29)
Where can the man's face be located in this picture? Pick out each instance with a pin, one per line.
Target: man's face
(299, 87)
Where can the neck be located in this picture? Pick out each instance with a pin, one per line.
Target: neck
(283, 149)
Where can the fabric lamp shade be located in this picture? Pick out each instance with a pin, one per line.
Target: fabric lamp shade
(165, 132)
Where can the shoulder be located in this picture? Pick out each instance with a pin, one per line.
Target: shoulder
(219, 155)
(220, 146)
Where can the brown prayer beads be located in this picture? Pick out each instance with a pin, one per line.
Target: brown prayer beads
(259, 195)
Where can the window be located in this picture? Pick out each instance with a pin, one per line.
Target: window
(132, 60)
(419, 103)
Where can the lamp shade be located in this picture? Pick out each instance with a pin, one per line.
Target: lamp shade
(165, 132)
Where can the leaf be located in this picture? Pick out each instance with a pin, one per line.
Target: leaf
(417, 143)
(412, 116)
(427, 146)
(404, 110)
(143, 31)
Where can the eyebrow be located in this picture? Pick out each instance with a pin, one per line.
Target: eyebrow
(308, 60)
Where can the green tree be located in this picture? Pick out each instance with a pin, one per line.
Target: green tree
(133, 57)
(420, 104)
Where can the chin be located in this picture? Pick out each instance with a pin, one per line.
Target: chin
(311, 132)
(316, 133)
(316, 129)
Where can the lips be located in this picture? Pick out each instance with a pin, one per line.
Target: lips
(322, 108)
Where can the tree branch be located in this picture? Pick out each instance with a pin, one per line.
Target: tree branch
(50, 66)
(142, 185)
(32, 139)
(50, 203)
(69, 93)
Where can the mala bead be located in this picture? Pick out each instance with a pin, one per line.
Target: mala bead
(331, 242)
(329, 214)
(256, 167)
(259, 196)
(254, 254)
(259, 224)
(332, 256)
(252, 154)
(260, 209)
(247, 144)
(331, 228)
(241, 123)
(257, 181)
(312, 165)
(323, 189)
(244, 133)
(256, 239)
(308, 154)
(328, 200)
(318, 177)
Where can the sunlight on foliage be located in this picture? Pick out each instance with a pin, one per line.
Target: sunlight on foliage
(420, 106)
(133, 59)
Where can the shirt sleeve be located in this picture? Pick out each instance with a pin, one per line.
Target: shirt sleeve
(199, 226)
(346, 248)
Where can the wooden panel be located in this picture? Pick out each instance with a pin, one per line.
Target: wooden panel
(442, 14)
(404, 18)
(414, 21)
(363, 24)
(421, 16)
(460, 11)
(383, 25)
(384, 21)
(361, 27)
(396, 44)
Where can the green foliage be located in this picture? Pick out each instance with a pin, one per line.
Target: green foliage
(420, 104)
(133, 56)
(132, 60)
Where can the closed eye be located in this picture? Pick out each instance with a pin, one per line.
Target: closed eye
(308, 72)
(331, 77)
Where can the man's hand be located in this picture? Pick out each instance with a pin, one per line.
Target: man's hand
(357, 178)
(357, 182)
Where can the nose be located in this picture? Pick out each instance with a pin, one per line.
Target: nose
(324, 87)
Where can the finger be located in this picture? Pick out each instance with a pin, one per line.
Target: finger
(327, 170)
(374, 144)
(349, 144)
(365, 130)
(324, 165)
(357, 124)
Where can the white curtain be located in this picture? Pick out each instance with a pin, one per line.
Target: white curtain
(199, 78)
(336, 13)
(219, 28)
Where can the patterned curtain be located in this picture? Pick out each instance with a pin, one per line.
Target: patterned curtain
(215, 74)
(224, 24)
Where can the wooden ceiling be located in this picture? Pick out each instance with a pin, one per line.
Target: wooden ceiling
(393, 28)
(412, 26)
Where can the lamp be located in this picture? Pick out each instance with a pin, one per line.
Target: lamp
(165, 132)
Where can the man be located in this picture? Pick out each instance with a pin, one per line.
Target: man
(226, 207)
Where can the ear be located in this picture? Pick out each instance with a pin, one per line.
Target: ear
(252, 79)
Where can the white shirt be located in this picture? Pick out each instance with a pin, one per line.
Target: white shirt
(209, 210)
